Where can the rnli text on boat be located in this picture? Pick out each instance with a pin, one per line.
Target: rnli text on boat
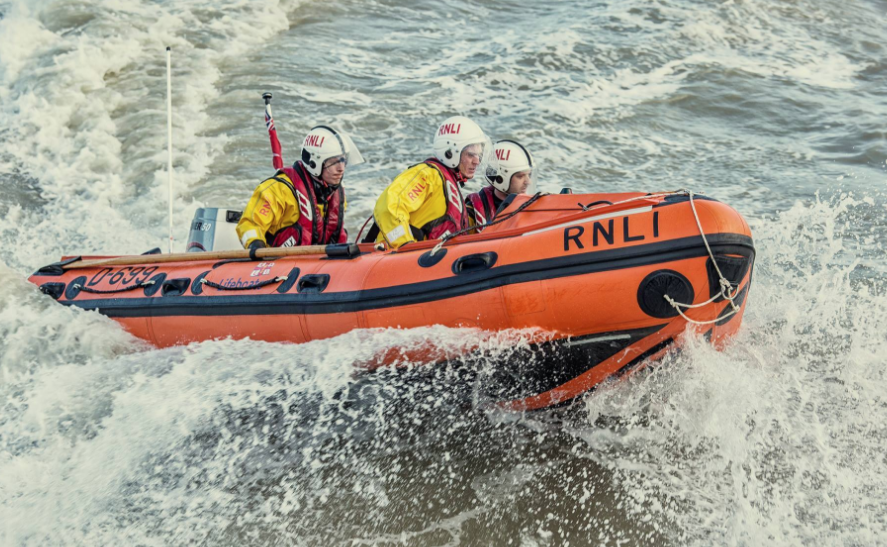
(604, 233)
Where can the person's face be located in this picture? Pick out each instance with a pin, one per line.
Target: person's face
(333, 170)
(519, 182)
(470, 159)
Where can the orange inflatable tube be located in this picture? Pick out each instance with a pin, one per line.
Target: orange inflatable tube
(588, 273)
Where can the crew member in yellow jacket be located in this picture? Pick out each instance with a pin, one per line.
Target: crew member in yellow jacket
(303, 204)
(425, 201)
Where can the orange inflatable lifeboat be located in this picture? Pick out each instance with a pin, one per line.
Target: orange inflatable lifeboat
(604, 281)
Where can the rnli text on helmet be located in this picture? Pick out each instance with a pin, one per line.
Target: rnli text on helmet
(450, 129)
(314, 140)
(503, 154)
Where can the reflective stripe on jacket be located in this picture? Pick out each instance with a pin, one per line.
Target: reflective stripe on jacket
(481, 207)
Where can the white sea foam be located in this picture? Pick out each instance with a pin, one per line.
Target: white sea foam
(33, 329)
(777, 440)
(774, 437)
(77, 102)
(84, 444)
(749, 37)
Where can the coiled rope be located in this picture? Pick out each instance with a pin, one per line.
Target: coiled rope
(727, 291)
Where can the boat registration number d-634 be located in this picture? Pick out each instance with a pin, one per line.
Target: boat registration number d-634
(126, 275)
(604, 233)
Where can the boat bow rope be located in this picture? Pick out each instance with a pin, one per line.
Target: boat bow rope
(727, 292)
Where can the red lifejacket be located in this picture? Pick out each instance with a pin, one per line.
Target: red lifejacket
(312, 228)
(456, 217)
(482, 206)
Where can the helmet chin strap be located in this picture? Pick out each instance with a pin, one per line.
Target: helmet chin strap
(460, 177)
(324, 190)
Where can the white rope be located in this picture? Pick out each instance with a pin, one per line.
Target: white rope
(437, 247)
(677, 306)
(727, 291)
(639, 198)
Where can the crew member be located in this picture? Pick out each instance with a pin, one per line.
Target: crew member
(512, 174)
(425, 201)
(303, 204)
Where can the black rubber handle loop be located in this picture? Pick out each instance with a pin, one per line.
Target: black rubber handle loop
(112, 291)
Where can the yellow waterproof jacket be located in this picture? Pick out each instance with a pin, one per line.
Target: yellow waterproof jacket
(412, 200)
(271, 208)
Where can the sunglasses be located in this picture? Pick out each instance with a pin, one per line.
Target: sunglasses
(333, 161)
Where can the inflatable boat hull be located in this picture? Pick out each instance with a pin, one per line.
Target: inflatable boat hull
(587, 274)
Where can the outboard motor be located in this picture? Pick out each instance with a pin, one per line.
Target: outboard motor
(213, 230)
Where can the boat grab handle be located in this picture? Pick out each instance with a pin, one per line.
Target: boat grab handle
(313, 283)
(474, 263)
(175, 287)
(594, 203)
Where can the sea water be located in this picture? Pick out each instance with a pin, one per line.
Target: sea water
(777, 108)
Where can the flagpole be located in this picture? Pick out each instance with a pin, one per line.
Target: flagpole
(169, 134)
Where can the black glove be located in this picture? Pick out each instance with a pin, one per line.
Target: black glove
(253, 247)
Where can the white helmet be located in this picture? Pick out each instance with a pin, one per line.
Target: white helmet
(510, 158)
(452, 136)
(324, 142)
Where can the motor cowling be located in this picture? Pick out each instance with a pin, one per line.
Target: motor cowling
(213, 229)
